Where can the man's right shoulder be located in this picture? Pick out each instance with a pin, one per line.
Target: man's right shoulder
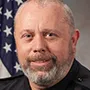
(19, 82)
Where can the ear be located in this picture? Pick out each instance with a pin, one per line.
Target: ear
(75, 38)
(14, 34)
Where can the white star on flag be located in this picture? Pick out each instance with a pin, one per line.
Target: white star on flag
(0, 10)
(17, 67)
(7, 47)
(15, 51)
(8, 14)
(8, 0)
(19, 2)
(8, 31)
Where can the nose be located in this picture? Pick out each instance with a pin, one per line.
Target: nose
(39, 50)
(39, 45)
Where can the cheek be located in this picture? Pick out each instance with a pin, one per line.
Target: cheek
(22, 52)
(60, 50)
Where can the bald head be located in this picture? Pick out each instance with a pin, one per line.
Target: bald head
(58, 4)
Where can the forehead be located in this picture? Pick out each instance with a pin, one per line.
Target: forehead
(33, 10)
(51, 13)
(34, 6)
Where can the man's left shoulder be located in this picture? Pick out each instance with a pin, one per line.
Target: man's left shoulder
(83, 78)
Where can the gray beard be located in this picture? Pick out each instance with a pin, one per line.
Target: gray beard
(55, 74)
(41, 80)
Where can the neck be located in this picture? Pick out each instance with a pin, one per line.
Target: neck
(36, 87)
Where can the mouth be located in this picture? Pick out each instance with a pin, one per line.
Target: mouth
(44, 65)
(41, 63)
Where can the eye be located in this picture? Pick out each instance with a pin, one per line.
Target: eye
(51, 35)
(27, 36)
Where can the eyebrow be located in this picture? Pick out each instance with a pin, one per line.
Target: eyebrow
(27, 30)
(51, 30)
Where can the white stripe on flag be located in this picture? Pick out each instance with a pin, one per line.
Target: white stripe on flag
(3, 71)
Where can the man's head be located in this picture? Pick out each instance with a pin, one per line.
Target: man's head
(46, 40)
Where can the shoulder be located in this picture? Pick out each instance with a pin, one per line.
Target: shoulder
(14, 83)
(83, 78)
(12, 79)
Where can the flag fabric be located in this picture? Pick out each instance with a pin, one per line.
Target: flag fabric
(9, 65)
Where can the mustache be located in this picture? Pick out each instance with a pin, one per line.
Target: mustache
(41, 57)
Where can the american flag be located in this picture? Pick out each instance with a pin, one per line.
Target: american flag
(9, 65)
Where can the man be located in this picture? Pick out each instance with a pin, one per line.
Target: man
(46, 41)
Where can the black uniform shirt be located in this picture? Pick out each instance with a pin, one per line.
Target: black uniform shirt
(78, 78)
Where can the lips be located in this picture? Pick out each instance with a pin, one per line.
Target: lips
(41, 63)
(44, 65)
